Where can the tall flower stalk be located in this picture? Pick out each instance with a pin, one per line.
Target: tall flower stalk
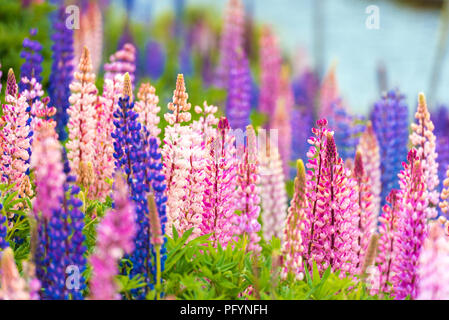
(81, 147)
(424, 141)
(412, 227)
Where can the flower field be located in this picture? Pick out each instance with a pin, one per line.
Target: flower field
(198, 162)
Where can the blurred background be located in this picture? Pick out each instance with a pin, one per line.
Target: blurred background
(407, 51)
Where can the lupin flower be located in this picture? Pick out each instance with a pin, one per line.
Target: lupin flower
(147, 108)
(390, 123)
(292, 245)
(3, 229)
(12, 285)
(367, 215)
(270, 61)
(121, 62)
(433, 265)
(219, 203)
(300, 123)
(238, 106)
(176, 161)
(231, 40)
(331, 236)
(15, 139)
(412, 228)
(369, 148)
(444, 205)
(104, 165)
(336, 223)
(272, 192)
(89, 34)
(61, 70)
(115, 235)
(388, 246)
(81, 147)
(59, 246)
(247, 195)
(31, 68)
(423, 139)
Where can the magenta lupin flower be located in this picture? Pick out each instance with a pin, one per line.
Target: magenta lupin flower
(388, 245)
(247, 194)
(15, 138)
(333, 235)
(412, 228)
(423, 139)
(115, 235)
(219, 201)
(81, 125)
(433, 265)
(292, 245)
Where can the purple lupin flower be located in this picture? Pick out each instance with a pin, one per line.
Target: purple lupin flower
(239, 93)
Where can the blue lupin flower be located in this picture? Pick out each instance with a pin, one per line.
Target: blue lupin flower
(238, 107)
(62, 70)
(32, 67)
(390, 123)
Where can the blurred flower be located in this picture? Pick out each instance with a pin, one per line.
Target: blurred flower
(155, 59)
(121, 62)
(31, 68)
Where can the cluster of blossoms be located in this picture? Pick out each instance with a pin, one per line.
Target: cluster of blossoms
(121, 62)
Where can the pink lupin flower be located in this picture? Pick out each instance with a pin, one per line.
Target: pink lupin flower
(388, 245)
(147, 108)
(433, 265)
(115, 238)
(444, 205)
(270, 61)
(103, 165)
(49, 177)
(121, 62)
(12, 285)
(369, 148)
(332, 237)
(231, 39)
(15, 136)
(367, 216)
(272, 192)
(292, 246)
(176, 154)
(247, 195)
(412, 228)
(219, 203)
(423, 139)
(81, 125)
